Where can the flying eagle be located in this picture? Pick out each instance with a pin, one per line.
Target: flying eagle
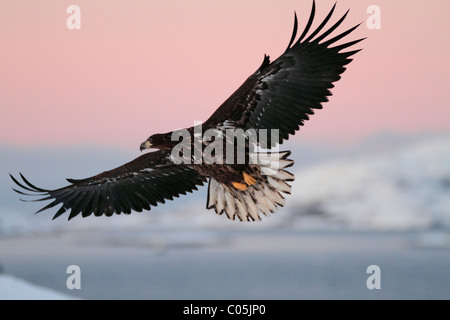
(276, 99)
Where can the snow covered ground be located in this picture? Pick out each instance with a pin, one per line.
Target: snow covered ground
(12, 288)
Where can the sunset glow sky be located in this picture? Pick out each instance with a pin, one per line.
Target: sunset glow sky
(140, 67)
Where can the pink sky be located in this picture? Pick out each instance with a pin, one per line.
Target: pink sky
(140, 67)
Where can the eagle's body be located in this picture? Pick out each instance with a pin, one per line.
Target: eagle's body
(268, 107)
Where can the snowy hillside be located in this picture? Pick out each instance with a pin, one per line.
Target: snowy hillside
(399, 190)
(383, 188)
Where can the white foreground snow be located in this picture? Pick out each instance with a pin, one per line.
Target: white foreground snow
(12, 288)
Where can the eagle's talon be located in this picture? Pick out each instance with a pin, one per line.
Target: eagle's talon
(239, 186)
(249, 180)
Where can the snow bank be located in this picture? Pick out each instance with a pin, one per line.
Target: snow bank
(12, 288)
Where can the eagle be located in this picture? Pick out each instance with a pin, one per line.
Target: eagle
(261, 114)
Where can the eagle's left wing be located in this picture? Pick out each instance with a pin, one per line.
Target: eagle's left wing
(136, 185)
(282, 94)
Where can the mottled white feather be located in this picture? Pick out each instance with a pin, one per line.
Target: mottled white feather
(279, 185)
(229, 204)
(262, 197)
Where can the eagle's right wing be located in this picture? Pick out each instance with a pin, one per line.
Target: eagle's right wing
(283, 93)
(136, 185)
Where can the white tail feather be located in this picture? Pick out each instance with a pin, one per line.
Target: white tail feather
(279, 185)
(262, 197)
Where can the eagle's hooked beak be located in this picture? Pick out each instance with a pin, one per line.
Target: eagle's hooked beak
(145, 145)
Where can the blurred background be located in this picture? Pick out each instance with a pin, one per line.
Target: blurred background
(372, 168)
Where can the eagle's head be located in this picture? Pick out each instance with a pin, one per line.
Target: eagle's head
(158, 141)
